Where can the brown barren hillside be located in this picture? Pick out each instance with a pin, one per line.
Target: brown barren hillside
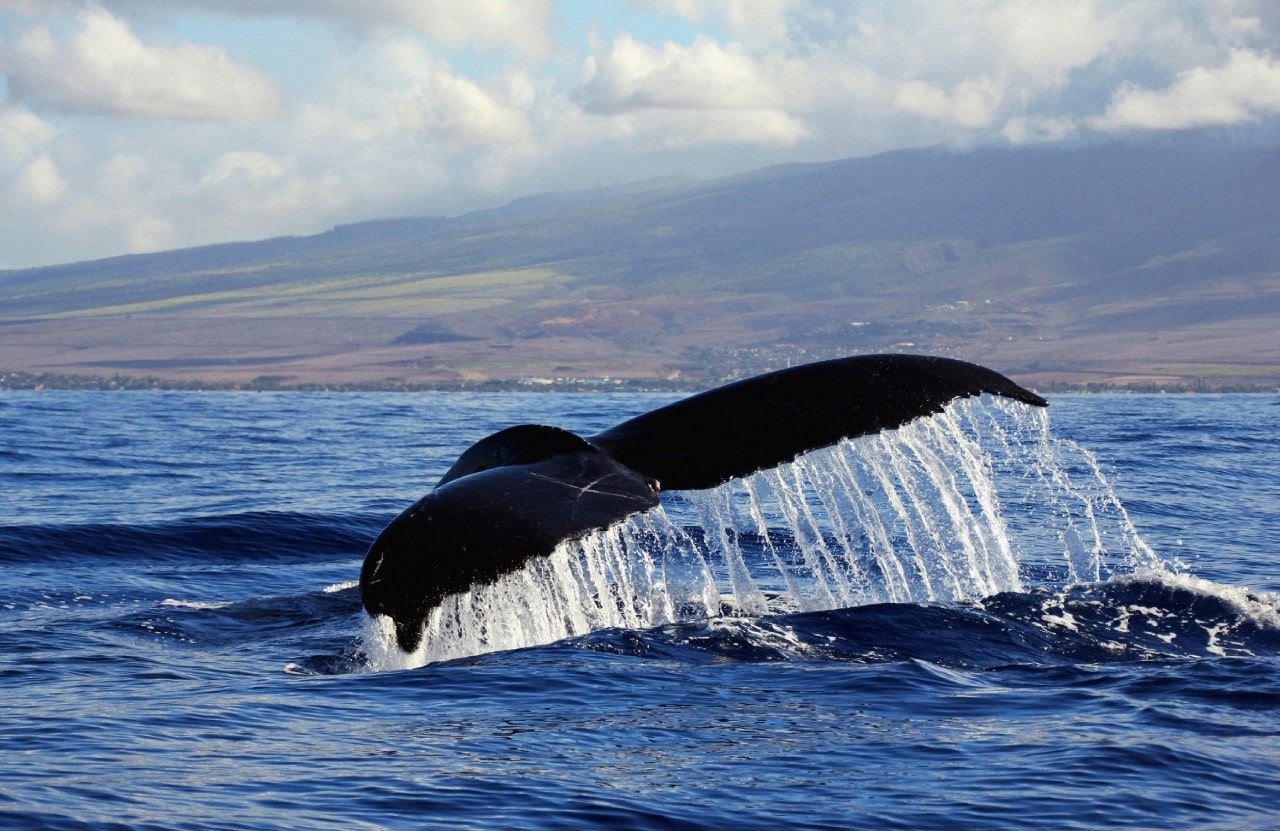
(1123, 266)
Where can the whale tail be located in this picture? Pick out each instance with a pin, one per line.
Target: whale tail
(521, 492)
(758, 423)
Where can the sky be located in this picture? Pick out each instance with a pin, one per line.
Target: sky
(131, 126)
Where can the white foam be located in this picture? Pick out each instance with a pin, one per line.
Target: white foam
(195, 604)
(1259, 607)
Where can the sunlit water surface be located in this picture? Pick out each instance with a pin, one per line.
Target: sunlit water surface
(990, 619)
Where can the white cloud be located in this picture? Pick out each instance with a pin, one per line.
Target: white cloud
(972, 103)
(1039, 130)
(1047, 39)
(523, 26)
(767, 128)
(407, 95)
(691, 95)
(248, 166)
(149, 234)
(432, 101)
(39, 183)
(742, 18)
(392, 107)
(766, 18)
(459, 110)
(102, 67)
(706, 76)
(22, 133)
(1243, 90)
(244, 189)
(123, 171)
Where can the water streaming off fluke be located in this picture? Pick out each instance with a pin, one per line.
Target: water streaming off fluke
(977, 500)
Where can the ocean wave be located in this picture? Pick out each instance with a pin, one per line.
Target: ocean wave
(1157, 616)
(229, 538)
(1134, 618)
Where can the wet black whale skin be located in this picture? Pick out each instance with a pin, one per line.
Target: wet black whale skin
(522, 491)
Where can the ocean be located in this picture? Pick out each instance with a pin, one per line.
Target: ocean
(996, 618)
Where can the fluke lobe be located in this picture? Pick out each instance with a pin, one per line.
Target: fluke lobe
(520, 492)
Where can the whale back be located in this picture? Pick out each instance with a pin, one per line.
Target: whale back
(480, 526)
(520, 445)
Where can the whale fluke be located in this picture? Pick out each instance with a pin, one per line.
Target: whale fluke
(760, 422)
(522, 491)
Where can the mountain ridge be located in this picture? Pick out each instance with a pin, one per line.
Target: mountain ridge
(1100, 265)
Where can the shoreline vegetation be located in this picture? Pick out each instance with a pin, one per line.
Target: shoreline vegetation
(124, 383)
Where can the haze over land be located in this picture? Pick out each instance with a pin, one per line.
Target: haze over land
(1126, 265)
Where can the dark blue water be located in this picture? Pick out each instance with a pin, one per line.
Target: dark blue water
(182, 645)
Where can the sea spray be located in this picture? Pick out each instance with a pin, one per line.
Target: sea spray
(971, 502)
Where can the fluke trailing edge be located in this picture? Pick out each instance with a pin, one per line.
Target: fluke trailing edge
(522, 491)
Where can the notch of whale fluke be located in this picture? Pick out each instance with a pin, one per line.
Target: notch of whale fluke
(522, 491)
